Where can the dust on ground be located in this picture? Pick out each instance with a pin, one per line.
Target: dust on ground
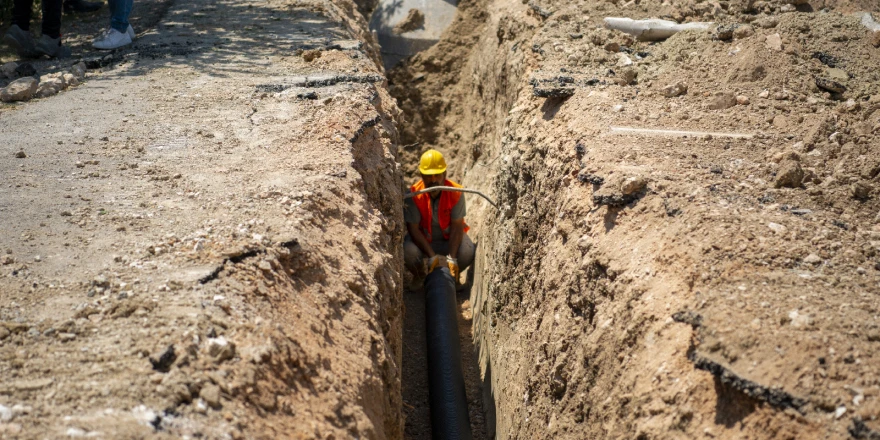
(203, 239)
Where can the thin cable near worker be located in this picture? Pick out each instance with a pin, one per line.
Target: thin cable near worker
(436, 230)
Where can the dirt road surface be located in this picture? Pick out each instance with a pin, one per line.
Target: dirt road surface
(201, 239)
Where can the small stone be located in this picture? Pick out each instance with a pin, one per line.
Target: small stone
(839, 412)
(21, 89)
(777, 228)
(860, 190)
(774, 42)
(851, 105)
(874, 38)
(200, 406)
(674, 90)
(626, 76)
(38, 258)
(837, 74)
(265, 266)
(764, 94)
(49, 87)
(612, 47)
(75, 432)
(617, 108)
(20, 155)
(767, 22)
(66, 337)
(724, 32)
(70, 80)
(585, 243)
(163, 361)
(5, 413)
(221, 349)
(780, 121)
(6, 260)
(623, 60)
(742, 100)
(311, 55)
(633, 185)
(830, 85)
(799, 320)
(744, 31)
(210, 393)
(8, 70)
(32, 385)
(722, 101)
(79, 70)
(813, 259)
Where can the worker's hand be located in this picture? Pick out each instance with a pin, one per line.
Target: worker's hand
(453, 267)
(433, 263)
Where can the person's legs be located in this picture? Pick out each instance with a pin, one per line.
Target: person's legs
(412, 257)
(119, 12)
(21, 13)
(18, 36)
(466, 253)
(120, 33)
(52, 18)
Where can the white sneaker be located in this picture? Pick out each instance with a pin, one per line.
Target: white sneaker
(130, 33)
(111, 39)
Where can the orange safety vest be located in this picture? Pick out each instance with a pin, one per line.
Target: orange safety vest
(448, 199)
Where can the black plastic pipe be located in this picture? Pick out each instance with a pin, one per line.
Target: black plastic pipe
(449, 410)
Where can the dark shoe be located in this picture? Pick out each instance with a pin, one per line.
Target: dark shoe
(77, 6)
(21, 41)
(52, 47)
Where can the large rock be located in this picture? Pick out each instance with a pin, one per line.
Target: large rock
(674, 90)
(49, 87)
(790, 174)
(722, 100)
(774, 42)
(744, 31)
(79, 70)
(21, 89)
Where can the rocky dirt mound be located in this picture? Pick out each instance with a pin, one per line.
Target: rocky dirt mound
(689, 245)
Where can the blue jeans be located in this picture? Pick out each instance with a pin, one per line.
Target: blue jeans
(119, 11)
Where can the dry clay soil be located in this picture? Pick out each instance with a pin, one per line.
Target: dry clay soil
(202, 240)
(215, 190)
(655, 287)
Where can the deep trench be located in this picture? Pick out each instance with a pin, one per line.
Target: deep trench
(416, 408)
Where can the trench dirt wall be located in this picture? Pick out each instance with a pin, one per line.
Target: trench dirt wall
(651, 286)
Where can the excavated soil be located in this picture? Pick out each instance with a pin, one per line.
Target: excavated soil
(203, 239)
(648, 285)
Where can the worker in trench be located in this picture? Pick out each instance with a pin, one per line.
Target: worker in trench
(436, 231)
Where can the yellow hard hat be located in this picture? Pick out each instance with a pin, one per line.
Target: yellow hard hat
(432, 162)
